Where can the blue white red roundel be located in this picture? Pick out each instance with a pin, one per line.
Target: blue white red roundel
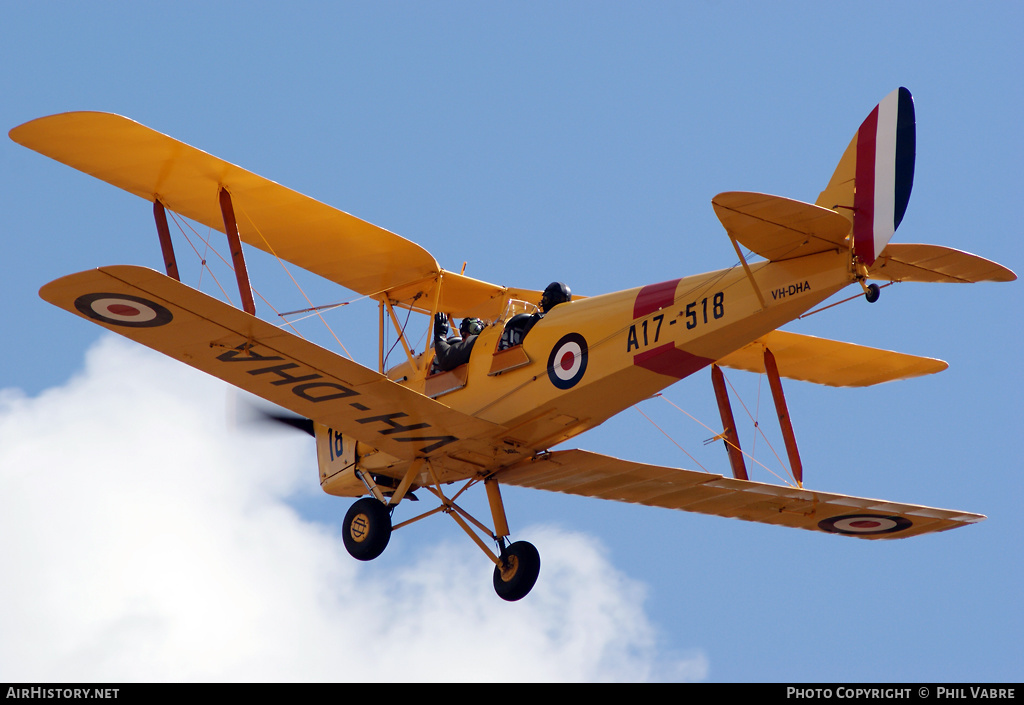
(860, 524)
(123, 310)
(567, 362)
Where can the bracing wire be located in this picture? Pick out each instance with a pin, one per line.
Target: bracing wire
(401, 334)
(759, 429)
(712, 430)
(649, 419)
(287, 271)
(205, 266)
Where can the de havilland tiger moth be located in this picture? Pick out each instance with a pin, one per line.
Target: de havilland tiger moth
(533, 369)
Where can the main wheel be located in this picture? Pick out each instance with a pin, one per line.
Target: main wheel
(516, 577)
(873, 292)
(367, 529)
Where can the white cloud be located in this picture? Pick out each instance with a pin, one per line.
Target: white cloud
(142, 540)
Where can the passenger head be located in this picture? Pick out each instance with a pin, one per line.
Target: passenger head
(471, 326)
(556, 293)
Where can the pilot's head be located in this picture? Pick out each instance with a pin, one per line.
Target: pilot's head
(470, 326)
(556, 293)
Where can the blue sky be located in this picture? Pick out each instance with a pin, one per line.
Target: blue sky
(579, 142)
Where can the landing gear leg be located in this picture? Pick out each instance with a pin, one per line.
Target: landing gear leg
(871, 291)
(516, 566)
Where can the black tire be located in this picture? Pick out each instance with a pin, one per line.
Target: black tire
(872, 293)
(519, 574)
(367, 529)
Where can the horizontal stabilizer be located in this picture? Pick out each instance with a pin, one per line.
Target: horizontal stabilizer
(209, 335)
(779, 228)
(829, 362)
(588, 474)
(936, 264)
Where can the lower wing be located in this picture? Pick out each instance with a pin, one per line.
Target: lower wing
(211, 336)
(593, 475)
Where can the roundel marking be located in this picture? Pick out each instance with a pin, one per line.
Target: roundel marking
(123, 310)
(861, 524)
(567, 362)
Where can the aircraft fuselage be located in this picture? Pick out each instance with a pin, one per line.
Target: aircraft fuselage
(591, 358)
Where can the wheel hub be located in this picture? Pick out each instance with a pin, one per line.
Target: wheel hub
(509, 568)
(359, 528)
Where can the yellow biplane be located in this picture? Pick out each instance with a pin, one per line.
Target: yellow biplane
(535, 377)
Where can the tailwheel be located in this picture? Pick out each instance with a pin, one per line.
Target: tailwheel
(517, 574)
(872, 292)
(367, 529)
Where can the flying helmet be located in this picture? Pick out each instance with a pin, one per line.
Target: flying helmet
(471, 326)
(556, 293)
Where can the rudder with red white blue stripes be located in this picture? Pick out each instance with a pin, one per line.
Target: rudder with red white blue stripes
(886, 146)
(872, 183)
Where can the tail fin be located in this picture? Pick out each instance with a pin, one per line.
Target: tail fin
(872, 183)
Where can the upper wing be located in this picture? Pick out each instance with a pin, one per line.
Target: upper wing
(592, 475)
(321, 239)
(935, 263)
(211, 336)
(829, 362)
